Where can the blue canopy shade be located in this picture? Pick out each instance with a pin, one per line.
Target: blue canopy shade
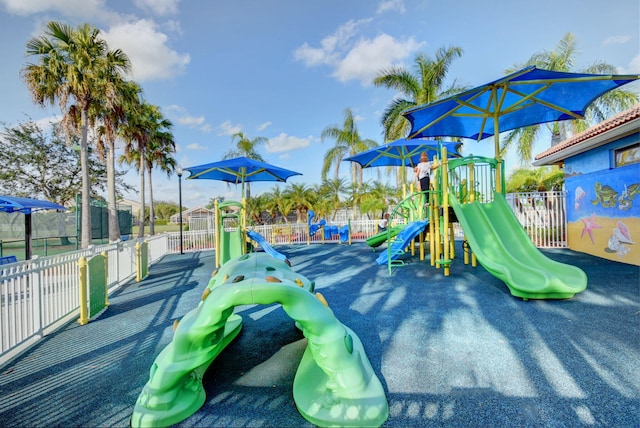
(403, 152)
(10, 204)
(528, 97)
(240, 170)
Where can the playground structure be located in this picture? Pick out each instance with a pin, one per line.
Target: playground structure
(469, 190)
(327, 231)
(334, 385)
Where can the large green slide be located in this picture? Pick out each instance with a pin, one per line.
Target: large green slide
(503, 248)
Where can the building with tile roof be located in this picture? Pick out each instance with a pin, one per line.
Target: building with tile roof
(602, 180)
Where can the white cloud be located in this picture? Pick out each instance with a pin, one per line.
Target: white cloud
(331, 46)
(360, 59)
(285, 143)
(264, 126)
(227, 128)
(147, 49)
(158, 7)
(391, 5)
(616, 40)
(633, 67)
(196, 146)
(368, 57)
(77, 8)
(191, 121)
(141, 39)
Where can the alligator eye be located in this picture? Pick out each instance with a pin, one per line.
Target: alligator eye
(348, 343)
(322, 299)
(299, 282)
(270, 278)
(270, 268)
(238, 278)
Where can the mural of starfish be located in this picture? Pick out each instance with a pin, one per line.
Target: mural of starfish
(589, 225)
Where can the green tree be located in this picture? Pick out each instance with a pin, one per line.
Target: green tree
(333, 190)
(145, 125)
(423, 86)
(245, 147)
(44, 166)
(541, 179)
(159, 153)
(277, 203)
(563, 58)
(348, 143)
(165, 209)
(71, 69)
(254, 207)
(109, 116)
(301, 198)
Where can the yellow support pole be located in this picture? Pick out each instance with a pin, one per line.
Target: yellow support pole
(216, 207)
(445, 209)
(84, 310)
(452, 242)
(432, 233)
(243, 225)
(106, 283)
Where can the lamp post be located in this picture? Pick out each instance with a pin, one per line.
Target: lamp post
(179, 171)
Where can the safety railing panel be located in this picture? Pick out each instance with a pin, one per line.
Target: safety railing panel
(38, 295)
(543, 215)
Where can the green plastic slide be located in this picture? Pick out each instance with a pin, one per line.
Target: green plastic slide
(503, 248)
(380, 238)
(334, 385)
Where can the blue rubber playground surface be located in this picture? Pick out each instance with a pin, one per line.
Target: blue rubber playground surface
(450, 351)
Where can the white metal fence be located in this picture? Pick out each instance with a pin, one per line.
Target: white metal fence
(543, 215)
(39, 295)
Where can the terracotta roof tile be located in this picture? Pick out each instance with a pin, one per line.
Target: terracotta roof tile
(615, 121)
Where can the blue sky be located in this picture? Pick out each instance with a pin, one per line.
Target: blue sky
(287, 69)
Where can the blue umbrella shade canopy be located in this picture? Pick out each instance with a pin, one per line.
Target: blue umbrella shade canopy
(10, 204)
(528, 97)
(239, 171)
(403, 152)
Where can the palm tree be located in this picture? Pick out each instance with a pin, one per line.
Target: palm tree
(423, 87)
(277, 203)
(562, 58)
(348, 143)
(301, 198)
(145, 124)
(72, 67)
(111, 116)
(333, 190)
(245, 147)
(540, 179)
(159, 152)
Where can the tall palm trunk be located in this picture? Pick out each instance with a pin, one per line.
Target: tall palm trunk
(152, 228)
(85, 238)
(142, 207)
(114, 224)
